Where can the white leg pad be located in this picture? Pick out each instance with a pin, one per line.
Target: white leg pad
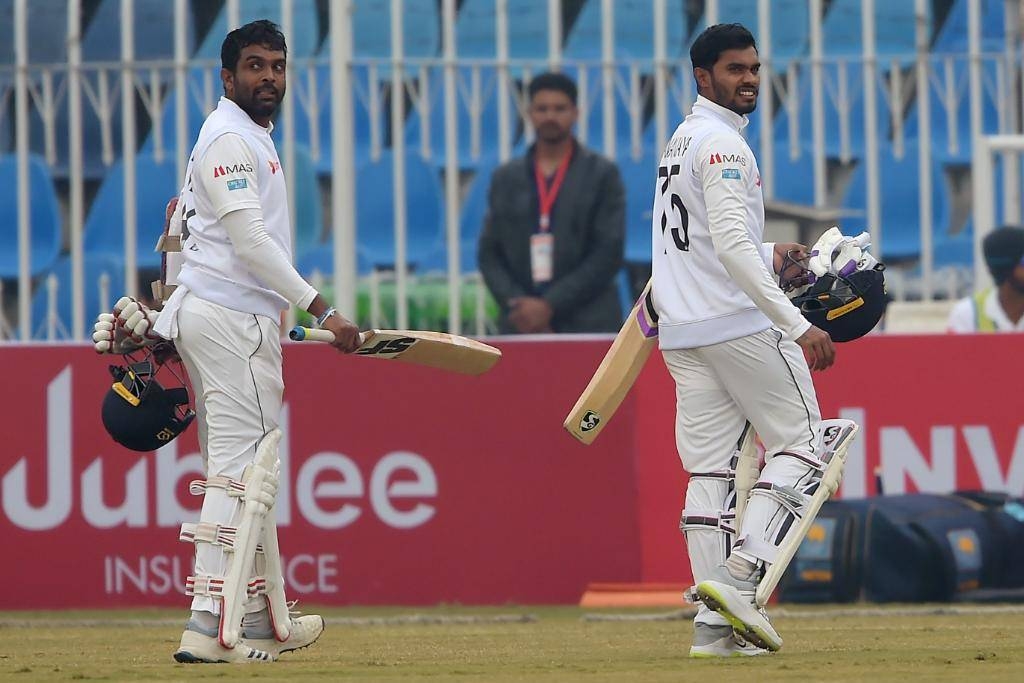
(271, 568)
(746, 465)
(256, 493)
(260, 492)
(787, 498)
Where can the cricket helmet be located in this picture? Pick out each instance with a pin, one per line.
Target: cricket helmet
(845, 306)
(138, 412)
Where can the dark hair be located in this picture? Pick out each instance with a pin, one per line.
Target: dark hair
(1003, 249)
(715, 40)
(553, 81)
(260, 32)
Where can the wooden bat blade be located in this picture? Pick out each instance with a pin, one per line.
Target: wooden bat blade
(616, 373)
(430, 349)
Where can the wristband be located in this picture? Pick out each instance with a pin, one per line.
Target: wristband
(325, 315)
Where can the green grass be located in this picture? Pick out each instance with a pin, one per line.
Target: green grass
(544, 644)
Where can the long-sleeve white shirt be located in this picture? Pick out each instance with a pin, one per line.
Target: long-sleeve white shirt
(712, 274)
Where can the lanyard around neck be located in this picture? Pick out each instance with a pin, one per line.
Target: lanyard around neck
(547, 195)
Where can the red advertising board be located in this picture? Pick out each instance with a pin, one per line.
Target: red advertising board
(407, 485)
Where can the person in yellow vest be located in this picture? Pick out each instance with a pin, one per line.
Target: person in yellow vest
(999, 308)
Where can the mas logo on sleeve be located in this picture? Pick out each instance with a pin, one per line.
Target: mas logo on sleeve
(231, 169)
(717, 158)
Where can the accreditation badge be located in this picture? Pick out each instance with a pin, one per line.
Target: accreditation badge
(542, 257)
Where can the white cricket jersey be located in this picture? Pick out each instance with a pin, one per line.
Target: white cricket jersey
(713, 278)
(234, 165)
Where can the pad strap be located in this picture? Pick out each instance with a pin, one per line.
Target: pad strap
(788, 497)
(213, 586)
(208, 532)
(755, 549)
(707, 520)
(235, 488)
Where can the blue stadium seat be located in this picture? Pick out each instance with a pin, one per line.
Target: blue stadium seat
(790, 36)
(901, 215)
(371, 30)
(895, 23)
(953, 36)
(595, 107)
(794, 178)
(361, 118)
(634, 27)
(309, 217)
(487, 119)
(95, 266)
(471, 222)
(104, 225)
(527, 32)
(194, 114)
(320, 259)
(375, 216)
(640, 179)
(304, 40)
(44, 216)
(856, 119)
(951, 39)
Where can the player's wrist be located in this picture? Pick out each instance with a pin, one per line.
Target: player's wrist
(323, 317)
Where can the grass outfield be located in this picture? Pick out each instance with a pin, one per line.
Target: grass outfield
(937, 643)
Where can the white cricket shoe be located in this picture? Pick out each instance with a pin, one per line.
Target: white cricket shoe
(304, 631)
(199, 648)
(711, 641)
(749, 622)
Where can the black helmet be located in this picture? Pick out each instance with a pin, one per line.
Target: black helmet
(140, 414)
(847, 307)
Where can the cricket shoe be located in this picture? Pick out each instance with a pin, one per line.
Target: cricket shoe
(711, 641)
(748, 621)
(303, 632)
(199, 648)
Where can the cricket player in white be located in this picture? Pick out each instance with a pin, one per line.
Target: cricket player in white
(734, 344)
(233, 278)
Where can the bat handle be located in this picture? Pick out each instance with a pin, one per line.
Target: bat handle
(299, 333)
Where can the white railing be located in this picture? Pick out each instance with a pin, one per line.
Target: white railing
(844, 117)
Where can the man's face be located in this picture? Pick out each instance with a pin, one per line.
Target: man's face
(1016, 278)
(552, 115)
(257, 83)
(733, 81)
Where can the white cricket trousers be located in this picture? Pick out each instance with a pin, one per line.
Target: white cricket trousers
(233, 360)
(761, 378)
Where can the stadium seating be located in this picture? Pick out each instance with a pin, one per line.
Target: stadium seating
(375, 218)
(527, 33)
(95, 266)
(471, 222)
(309, 217)
(640, 181)
(44, 216)
(634, 26)
(156, 182)
(303, 40)
(901, 214)
(371, 30)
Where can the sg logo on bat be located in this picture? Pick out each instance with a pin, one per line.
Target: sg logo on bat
(388, 347)
(589, 421)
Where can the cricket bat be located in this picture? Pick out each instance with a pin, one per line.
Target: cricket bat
(617, 371)
(430, 349)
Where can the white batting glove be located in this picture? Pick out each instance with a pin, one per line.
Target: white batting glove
(837, 254)
(128, 328)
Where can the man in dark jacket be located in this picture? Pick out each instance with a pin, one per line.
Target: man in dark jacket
(552, 241)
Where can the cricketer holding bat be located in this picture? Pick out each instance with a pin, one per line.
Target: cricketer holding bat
(739, 351)
(234, 278)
